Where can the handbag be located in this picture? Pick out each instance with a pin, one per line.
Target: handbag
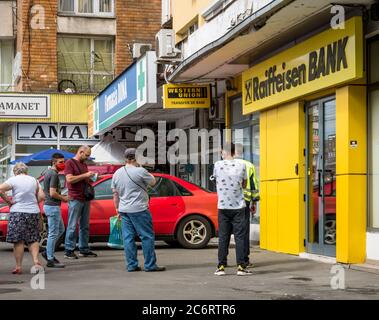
(115, 240)
(89, 190)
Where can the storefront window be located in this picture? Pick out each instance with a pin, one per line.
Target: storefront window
(374, 135)
(245, 130)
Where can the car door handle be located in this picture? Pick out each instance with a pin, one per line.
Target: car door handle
(174, 204)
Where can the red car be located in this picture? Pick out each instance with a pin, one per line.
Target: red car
(330, 224)
(183, 213)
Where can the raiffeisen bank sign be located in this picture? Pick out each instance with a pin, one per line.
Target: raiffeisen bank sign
(328, 59)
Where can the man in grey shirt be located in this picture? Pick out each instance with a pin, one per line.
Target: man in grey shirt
(131, 199)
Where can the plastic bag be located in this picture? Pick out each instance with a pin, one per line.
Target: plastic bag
(115, 240)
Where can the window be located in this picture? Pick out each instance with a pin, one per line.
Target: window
(103, 190)
(163, 188)
(6, 63)
(373, 177)
(193, 28)
(85, 65)
(66, 6)
(87, 7)
(183, 191)
(105, 6)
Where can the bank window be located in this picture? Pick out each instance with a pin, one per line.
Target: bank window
(6, 62)
(84, 64)
(373, 178)
(97, 8)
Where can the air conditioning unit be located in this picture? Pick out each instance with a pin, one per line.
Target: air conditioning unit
(217, 109)
(165, 45)
(139, 49)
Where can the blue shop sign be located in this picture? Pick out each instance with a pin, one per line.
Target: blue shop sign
(134, 88)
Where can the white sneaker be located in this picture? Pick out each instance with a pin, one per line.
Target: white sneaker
(242, 271)
(220, 271)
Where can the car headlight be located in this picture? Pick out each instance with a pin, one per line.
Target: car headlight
(4, 216)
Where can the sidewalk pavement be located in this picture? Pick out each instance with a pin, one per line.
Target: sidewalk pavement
(189, 276)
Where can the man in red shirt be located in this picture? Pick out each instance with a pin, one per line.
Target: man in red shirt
(77, 175)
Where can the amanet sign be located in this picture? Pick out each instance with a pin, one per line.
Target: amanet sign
(326, 60)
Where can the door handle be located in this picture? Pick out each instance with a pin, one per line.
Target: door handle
(330, 194)
(297, 169)
(319, 171)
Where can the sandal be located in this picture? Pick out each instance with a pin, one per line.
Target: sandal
(16, 271)
(38, 266)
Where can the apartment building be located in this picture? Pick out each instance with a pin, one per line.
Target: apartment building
(55, 56)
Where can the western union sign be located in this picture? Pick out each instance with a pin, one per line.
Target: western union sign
(326, 60)
(186, 96)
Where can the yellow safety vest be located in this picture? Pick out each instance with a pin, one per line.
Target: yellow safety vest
(251, 192)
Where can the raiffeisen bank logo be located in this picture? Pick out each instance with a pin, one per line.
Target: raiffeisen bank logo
(325, 60)
(322, 62)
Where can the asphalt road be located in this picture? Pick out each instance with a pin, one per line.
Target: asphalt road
(189, 276)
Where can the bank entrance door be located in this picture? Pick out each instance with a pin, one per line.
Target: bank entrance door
(321, 179)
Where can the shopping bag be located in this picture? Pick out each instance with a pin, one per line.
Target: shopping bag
(115, 235)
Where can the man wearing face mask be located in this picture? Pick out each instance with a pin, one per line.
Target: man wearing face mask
(77, 175)
(52, 209)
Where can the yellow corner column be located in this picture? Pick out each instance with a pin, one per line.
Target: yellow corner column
(282, 140)
(351, 174)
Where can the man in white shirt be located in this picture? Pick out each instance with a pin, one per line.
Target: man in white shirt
(231, 177)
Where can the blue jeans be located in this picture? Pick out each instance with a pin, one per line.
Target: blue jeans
(55, 227)
(78, 211)
(141, 224)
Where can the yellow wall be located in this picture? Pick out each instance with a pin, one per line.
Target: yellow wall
(185, 11)
(64, 108)
(282, 140)
(283, 210)
(351, 174)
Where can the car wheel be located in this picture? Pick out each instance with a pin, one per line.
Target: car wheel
(44, 235)
(194, 232)
(330, 233)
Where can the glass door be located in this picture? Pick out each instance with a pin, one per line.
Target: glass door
(321, 181)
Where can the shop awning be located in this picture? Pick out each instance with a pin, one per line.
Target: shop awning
(42, 157)
(282, 23)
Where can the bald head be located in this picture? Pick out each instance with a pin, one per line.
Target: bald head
(83, 153)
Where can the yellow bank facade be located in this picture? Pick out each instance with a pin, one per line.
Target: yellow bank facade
(311, 101)
(306, 97)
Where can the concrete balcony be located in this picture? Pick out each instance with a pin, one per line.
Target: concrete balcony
(218, 24)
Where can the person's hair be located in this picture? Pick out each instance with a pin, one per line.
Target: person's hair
(56, 156)
(230, 148)
(20, 168)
